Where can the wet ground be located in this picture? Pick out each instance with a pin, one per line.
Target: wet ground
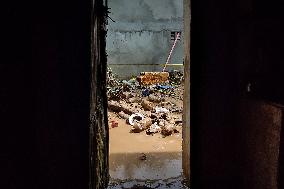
(138, 160)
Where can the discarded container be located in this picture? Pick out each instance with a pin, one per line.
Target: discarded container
(161, 110)
(133, 117)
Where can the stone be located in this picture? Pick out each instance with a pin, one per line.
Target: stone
(153, 98)
(154, 128)
(168, 129)
(136, 128)
(123, 115)
(127, 95)
(114, 106)
(148, 106)
(133, 99)
(147, 122)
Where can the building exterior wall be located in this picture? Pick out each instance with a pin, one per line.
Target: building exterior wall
(140, 38)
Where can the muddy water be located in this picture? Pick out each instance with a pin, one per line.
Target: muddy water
(138, 160)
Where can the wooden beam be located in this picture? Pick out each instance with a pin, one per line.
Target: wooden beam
(186, 98)
(99, 121)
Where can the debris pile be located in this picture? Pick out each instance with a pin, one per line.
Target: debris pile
(175, 77)
(155, 108)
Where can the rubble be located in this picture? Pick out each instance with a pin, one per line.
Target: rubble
(141, 125)
(123, 115)
(175, 77)
(118, 107)
(127, 95)
(154, 128)
(133, 99)
(168, 129)
(154, 98)
(148, 104)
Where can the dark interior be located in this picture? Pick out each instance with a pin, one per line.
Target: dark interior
(235, 132)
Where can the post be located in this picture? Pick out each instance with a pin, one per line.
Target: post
(186, 101)
(99, 121)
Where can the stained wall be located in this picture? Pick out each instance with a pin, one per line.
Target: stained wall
(140, 38)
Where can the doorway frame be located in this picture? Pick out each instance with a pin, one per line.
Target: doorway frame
(99, 136)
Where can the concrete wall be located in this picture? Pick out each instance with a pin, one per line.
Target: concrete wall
(139, 39)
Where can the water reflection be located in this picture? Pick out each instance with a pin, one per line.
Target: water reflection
(170, 183)
(146, 170)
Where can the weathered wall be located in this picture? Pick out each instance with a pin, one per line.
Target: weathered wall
(236, 69)
(139, 39)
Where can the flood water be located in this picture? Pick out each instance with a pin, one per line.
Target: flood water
(138, 160)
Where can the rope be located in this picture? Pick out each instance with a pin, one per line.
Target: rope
(178, 34)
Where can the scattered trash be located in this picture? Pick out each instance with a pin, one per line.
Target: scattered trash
(127, 86)
(164, 87)
(155, 108)
(161, 110)
(175, 77)
(154, 128)
(145, 92)
(133, 117)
